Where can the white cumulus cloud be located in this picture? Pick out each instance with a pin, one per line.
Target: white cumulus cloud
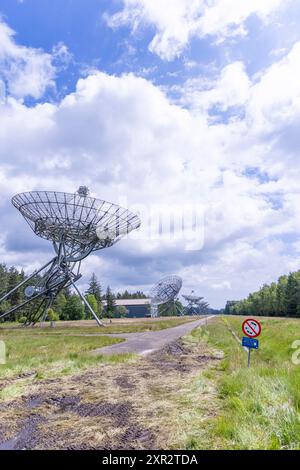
(177, 21)
(28, 71)
(126, 139)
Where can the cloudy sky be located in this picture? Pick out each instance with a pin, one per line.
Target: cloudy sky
(164, 106)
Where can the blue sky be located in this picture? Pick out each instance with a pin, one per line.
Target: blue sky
(187, 104)
(82, 26)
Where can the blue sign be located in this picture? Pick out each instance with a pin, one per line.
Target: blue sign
(250, 342)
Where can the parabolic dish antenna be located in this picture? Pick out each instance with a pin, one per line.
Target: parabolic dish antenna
(77, 225)
(85, 224)
(166, 290)
(192, 297)
(203, 306)
(195, 303)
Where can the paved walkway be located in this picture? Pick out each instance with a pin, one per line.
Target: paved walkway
(149, 341)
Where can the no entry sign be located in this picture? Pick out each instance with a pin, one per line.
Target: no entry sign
(251, 328)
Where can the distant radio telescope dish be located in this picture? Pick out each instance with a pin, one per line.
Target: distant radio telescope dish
(192, 297)
(166, 290)
(77, 225)
(195, 304)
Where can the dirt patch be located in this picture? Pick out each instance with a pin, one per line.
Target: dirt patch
(65, 403)
(8, 381)
(176, 349)
(123, 382)
(118, 412)
(110, 406)
(28, 435)
(171, 357)
(33, 401)
(207, 358)
(134, 437)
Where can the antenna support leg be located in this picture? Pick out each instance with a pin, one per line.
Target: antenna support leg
(100, 323)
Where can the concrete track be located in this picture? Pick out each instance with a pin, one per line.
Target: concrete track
(150, 341)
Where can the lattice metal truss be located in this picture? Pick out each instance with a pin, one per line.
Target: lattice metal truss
(165, 291)
(203, 307)
(171, 308)
(77, 225)
(194, 303)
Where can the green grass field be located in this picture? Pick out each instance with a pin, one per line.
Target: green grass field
(214, 402)
(256, 407)
(49, 356)
(90, 327)
(48, 352)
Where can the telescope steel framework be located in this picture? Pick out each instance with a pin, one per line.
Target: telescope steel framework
(203, 306)
(194, 302)
(165, 292)
(77, 225)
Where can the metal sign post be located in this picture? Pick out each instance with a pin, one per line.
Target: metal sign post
(251, 328)
(249, 356)
(249, 343)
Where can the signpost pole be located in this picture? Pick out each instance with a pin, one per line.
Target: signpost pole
(251, 328)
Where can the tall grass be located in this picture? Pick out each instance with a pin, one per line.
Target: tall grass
(258, 407)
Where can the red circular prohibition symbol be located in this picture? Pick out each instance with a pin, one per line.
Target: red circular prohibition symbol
(251, 328)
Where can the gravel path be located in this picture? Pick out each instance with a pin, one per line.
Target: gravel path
(149, 341)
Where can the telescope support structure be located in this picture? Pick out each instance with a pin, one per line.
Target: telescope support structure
(59, 273)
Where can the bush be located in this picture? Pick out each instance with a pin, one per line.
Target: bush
(73, 310)
(52, 315)
(22, 319)
(121, 311)
(91, 299)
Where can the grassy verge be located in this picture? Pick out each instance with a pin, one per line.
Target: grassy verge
(134, 405)
(43, 356)
(256, 408)
(48, 352)
(73, 328)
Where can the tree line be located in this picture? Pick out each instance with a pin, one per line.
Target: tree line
(278, 299)
(67, 305)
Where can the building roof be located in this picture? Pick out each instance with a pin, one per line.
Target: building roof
(127, 302)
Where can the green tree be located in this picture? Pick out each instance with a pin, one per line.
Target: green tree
(121, 311)
(110, 303)
(95, 288)
(14, 277)
(229, 307)
(281, 304)
(59, 303)
(3, 279)
(52, 315)
(73, 309)
(4, 307)
(91, 299)
(277, 299)
(292, 295)
(170, 309)
(131, 295)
